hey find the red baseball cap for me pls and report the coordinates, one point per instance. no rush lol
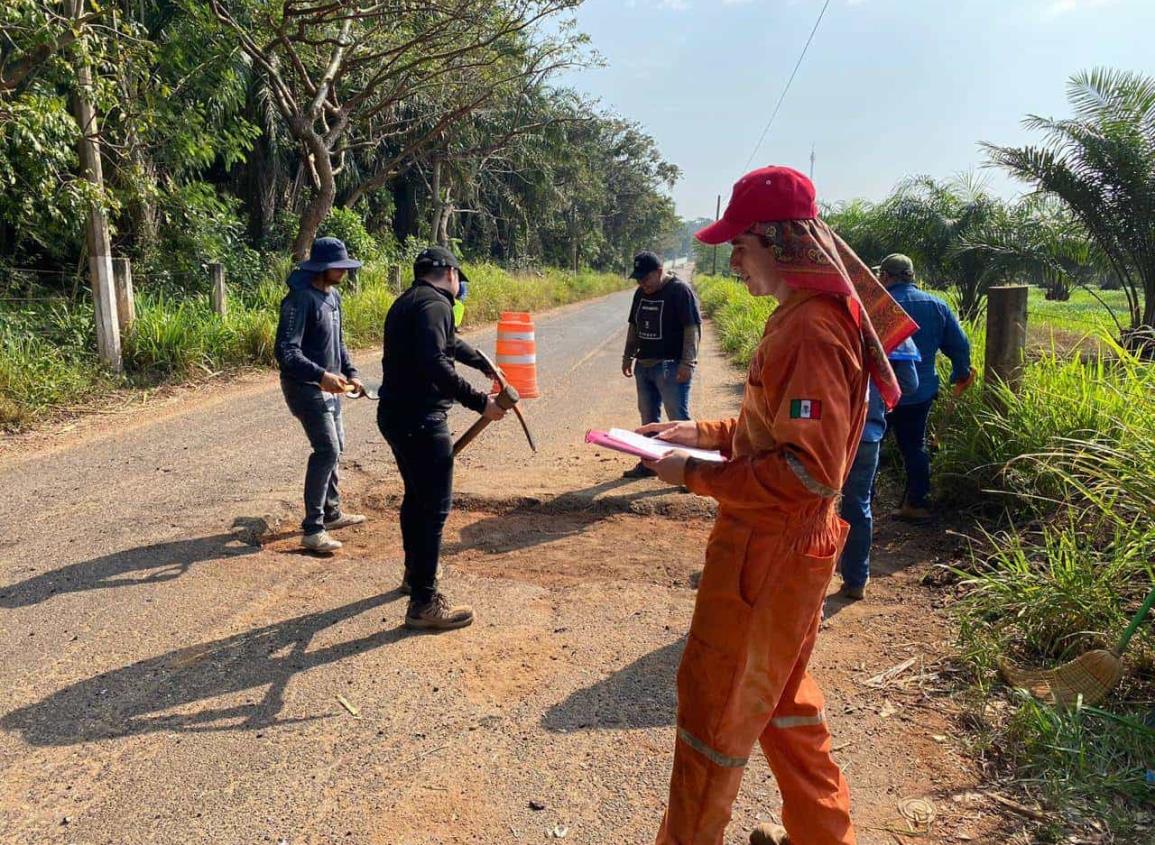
(765, 195)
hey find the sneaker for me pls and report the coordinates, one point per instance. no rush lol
(769, 834)
(438, 614)
(640, 471)
(320, 542)
(344, 520)
(854, 593)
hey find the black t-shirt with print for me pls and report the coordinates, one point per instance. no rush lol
(661, 319)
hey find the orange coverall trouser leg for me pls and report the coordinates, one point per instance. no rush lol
(743, 679)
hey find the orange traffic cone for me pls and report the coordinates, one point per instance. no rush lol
(517, 352)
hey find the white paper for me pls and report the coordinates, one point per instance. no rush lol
(656, 449)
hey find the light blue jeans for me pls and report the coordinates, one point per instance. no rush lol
(856, 495)
(657, 387)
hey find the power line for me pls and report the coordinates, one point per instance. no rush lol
(786, 90)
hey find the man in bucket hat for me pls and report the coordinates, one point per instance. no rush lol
(315, 370)
(743, 677)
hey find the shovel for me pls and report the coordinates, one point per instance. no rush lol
(1086, 680)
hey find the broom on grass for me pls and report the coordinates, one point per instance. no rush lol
(1086, 680)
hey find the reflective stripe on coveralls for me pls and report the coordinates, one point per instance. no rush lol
(769, 562)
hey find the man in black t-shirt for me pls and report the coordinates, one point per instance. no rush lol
(665, 328)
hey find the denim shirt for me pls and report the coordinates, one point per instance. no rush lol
(904, 360)
(938, 329)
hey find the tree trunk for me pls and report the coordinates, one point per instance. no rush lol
(405, 213)
(321, 202)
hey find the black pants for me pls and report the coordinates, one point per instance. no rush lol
(424, 453)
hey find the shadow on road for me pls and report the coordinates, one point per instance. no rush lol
(133, 567)
(538, 523)
(641, 695)
(133, 700)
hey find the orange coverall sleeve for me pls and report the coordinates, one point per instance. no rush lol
(717, 434)
(810, 422)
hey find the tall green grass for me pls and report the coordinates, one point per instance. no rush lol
(1061, 475)
(47, 358)
(739, 317)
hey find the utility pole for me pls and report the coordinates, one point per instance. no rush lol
(96, 232)
(812, 162)
(717, 214)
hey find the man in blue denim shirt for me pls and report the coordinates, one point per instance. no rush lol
(315, 370)
(857, 492)
(665, 327)
(938, 330)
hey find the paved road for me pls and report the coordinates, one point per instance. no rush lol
(166, 683)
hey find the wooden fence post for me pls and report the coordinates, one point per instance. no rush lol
(125, 298)
(1006, 338)
(395, 277)
(220, 295)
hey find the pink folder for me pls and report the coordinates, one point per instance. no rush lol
(648, 448)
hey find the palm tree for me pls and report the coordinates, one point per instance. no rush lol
(1101, 164)
(1041, 241)
(933, 221)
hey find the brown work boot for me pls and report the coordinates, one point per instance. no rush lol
(854, 593)
(437, 614)
(913, 513)
(769, 834)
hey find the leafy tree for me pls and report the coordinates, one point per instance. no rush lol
(1101, 165)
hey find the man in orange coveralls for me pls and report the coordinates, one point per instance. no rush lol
(778, 535)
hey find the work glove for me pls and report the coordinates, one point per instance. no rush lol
(962, 385)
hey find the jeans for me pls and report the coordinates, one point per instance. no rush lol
(320, 416)
(658, 386)
(908, 422)
(423, 450)
(854, 565)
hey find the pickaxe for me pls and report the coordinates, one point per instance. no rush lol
(507, 399)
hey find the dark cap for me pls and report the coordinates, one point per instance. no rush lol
(644, 264)
(897, 266)
(434, 257)
(329, 254)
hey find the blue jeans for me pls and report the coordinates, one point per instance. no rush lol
(908, 422)
(320, 415)
(658, 386)
(856, 495)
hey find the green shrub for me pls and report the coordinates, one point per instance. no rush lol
(46, 356)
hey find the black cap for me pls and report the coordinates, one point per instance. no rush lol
(436, 256)
(644, 264)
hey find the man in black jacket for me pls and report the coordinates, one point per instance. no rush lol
(315, 371)
(419, 386)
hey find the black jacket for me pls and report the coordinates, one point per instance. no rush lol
(309, 341)
(420, 347)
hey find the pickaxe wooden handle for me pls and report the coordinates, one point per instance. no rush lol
(506, 399)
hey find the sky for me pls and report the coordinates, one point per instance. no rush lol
(888, 89)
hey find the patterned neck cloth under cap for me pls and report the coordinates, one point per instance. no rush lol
(811, 256)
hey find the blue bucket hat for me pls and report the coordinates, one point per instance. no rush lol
(329, 254)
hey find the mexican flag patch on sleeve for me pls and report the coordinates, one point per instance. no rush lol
(805, 409)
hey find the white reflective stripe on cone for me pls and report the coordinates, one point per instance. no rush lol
(505, 335)
(516, 359)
